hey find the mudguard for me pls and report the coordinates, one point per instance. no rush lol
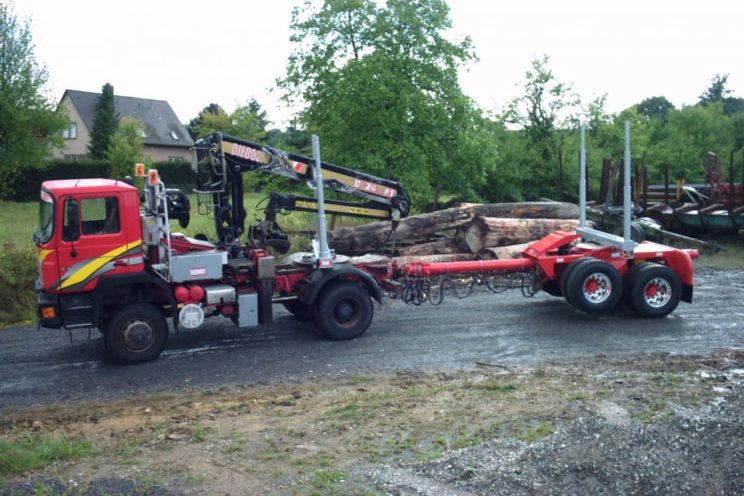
(318, 279)
(141, 278)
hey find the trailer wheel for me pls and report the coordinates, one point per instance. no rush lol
(344, 311)
(136, 333)
(567, 274)
(594, 286)
(654, 290)
(300, 310)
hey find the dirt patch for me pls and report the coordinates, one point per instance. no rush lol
(660, 424)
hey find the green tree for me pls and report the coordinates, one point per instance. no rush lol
(379, 84)
(242, 122)
(29, 124)
(717, 90)
(292, 139)
(544, 112)
(692, 132)
(125, 148)
(255, 108)
(197, 121)
(656, 107)
(105, 124)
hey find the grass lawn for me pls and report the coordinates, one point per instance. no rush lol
(17, 223)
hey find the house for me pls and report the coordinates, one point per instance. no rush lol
(163, 136)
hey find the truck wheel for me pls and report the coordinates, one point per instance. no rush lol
(136, 333)
(343, 311)
(594, 287)
(654, 290)
(567, 274)
(300, 310)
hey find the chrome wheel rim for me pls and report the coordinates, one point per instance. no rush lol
(597, 287)
(657, 292)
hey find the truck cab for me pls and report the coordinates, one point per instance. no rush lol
(88, 228)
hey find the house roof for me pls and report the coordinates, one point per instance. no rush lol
(162, 127)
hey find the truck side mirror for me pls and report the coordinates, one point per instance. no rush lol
(71, 230)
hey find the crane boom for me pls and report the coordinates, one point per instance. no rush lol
(221, 159)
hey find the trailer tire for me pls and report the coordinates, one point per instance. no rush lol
(567, 274)
(343, 311)
(136, 333)
(300, 311)
(653, 291)
(594, 287)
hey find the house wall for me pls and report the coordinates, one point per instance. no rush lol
(78, 147)
(74, 147)
(162, 153)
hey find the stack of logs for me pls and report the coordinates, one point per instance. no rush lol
(466, 232)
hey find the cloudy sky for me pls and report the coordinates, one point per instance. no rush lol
(227, 51)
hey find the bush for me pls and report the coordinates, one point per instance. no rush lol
(25, 186)
(18, 273)
(175, 173)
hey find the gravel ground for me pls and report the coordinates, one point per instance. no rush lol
(694, 448)
(693, 451)
(603, 444)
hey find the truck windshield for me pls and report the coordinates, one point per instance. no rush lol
(45, 228)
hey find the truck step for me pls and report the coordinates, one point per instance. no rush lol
(79, 325)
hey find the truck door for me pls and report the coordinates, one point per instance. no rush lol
(94, 240)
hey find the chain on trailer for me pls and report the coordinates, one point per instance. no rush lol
(418, 289)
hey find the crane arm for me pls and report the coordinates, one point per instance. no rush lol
(221, 159)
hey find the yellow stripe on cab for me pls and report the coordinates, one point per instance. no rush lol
(86, 270)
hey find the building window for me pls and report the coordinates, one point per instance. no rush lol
(76, 157)
(174, 136)
(176, 158)
(70, 132)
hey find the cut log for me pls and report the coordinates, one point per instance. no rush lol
(527, 210)
(439, 247)
(450, 257)
(502, 252)
(487, 232)
(371, 238)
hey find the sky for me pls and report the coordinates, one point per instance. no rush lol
(193, 53)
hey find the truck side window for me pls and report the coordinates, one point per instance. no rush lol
(100, 215)
(70, 226)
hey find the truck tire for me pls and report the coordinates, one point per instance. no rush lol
(567, 274)
(653, 290)
(136, 333)
(594, 286)
(300, 311)
(343, 311)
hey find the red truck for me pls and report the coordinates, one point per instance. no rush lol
(108, 258)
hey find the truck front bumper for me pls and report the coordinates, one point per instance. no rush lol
(47, 309)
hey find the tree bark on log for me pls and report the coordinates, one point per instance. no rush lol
(370, 238)
(439, 247)
(502, 252)
(487, 232)
(451, 257)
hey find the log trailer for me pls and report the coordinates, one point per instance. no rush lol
(108, 258)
